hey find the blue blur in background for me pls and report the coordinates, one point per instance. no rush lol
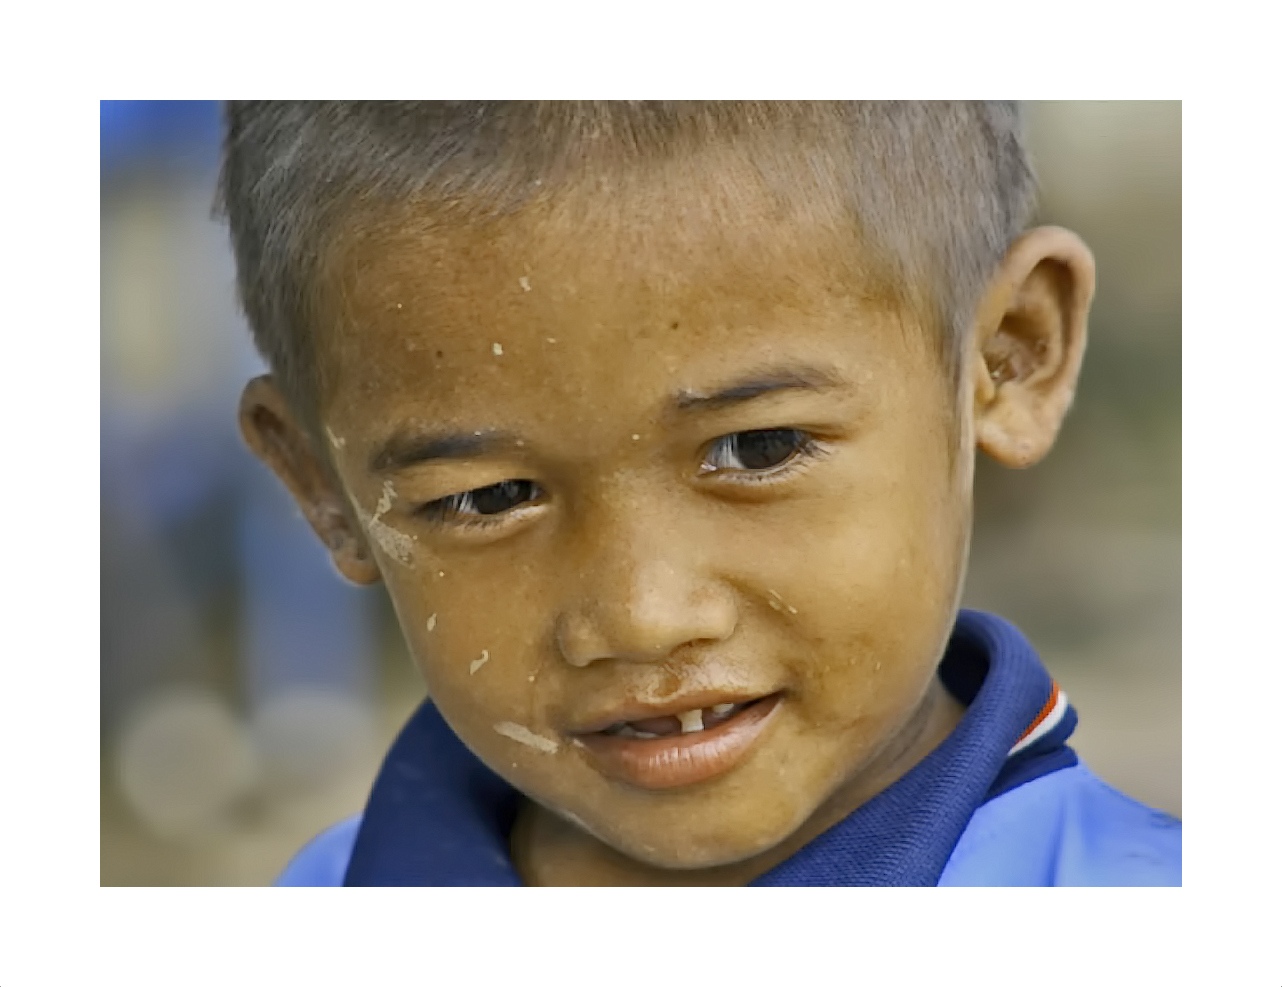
(217, 597)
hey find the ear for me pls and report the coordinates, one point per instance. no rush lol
(274, 435)
(1027, 345)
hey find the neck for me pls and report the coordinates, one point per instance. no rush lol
(549, 851)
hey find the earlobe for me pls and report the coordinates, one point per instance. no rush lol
(1027, 345)
(274, 436)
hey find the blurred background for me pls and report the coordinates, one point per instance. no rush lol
(248, 694)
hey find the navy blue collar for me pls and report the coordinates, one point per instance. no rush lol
(438, 817)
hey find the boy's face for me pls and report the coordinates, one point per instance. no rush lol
(614, 478)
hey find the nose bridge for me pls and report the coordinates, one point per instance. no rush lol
(645, 587)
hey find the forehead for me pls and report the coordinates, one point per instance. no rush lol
(663, 273)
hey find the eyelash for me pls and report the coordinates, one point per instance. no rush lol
(447, 511)
(808, 451)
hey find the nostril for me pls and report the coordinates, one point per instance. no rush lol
(578, 642)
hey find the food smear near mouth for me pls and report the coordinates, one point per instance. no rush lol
(526, 736)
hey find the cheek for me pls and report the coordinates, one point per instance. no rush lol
(481, 667)
(874, 592)
(888, 555)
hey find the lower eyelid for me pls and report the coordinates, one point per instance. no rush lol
(480, 520)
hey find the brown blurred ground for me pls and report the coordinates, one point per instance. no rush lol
(1082, 552)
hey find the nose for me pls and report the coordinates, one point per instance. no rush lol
(641, 600)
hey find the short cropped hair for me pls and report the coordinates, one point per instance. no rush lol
(938, 191)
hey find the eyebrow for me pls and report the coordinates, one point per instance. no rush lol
(409, 447)
(759, 383)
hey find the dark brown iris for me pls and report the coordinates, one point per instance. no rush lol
(766, 448)
(499, 497)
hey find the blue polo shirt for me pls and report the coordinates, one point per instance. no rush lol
(1002, 801)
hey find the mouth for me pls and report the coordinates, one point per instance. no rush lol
(679, 748)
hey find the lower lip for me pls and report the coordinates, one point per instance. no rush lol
(682, 759)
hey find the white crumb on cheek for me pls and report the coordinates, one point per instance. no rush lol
(396, 544)
(498, 349)
(524, 282)
(531, 678)
(485, 656)
(385, 501)
(578, 743)
(514, 731)
(431, 623)
(335, 440)
(551, 339)
(792, 609)
(636, 437)
(441, 572)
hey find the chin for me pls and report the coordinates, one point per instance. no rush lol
(676, 858)
(683, 848)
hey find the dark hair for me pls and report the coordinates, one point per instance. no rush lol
(937, 190)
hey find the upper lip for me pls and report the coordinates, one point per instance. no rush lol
(639, 710)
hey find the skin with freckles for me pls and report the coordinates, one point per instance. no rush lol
(622, 449)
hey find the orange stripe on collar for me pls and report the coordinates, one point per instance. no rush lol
(1045, 712)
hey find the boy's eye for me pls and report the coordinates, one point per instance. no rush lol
(493, 499)
(763, 449)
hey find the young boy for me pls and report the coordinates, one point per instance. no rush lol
(657, 420)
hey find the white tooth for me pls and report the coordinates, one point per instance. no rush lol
(643, 735)
(691, 722)
(720, 708)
